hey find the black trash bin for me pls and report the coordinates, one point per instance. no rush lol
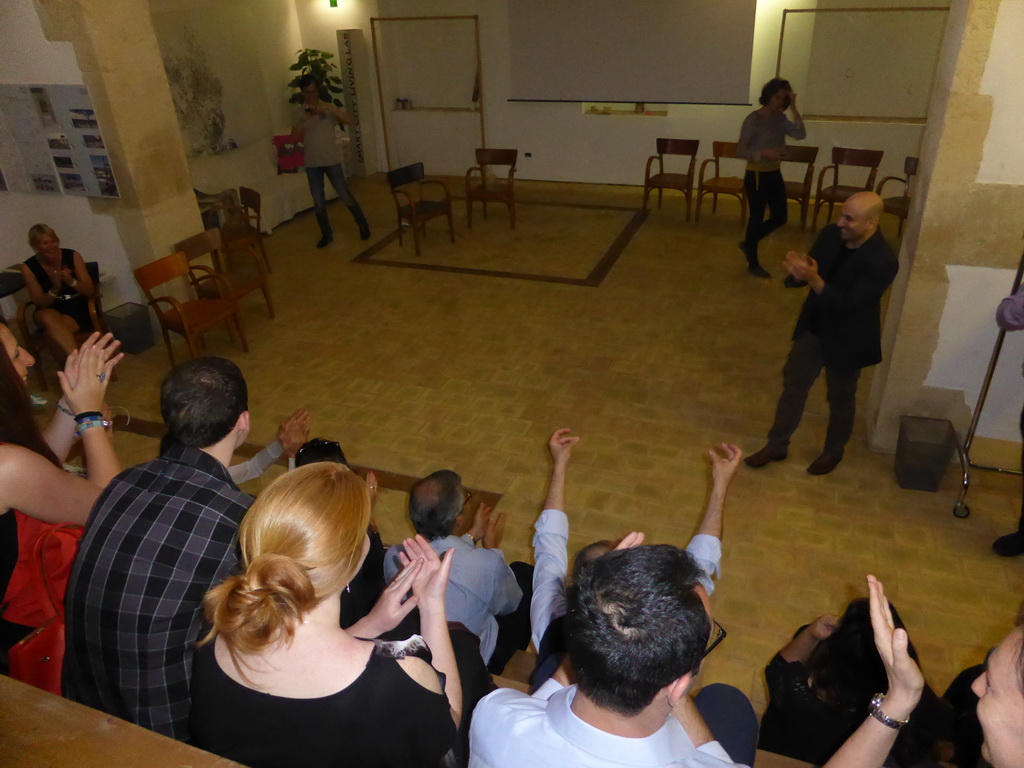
(130, 325)
(923, 451)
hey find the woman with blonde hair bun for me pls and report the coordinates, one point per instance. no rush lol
(278, 682)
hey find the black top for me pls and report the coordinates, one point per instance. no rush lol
(71, 302)
(847, 313)
(383, 718)
(800, 725)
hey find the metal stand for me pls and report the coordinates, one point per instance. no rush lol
(960, 509)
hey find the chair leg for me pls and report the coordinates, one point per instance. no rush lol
(688, 201)
(714, 203)
(660, 190)
(814, 219)
(263, 252)
(451, 226)
(831, 205)
(241, 331)
(416, 237)
(803, 215)
(700, 199)
(647, 194)
(270, 301)
(899, 232)
(167, 343)
(194, 346)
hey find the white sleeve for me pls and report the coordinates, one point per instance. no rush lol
(707, 551)
(551, 560)
(257, 465)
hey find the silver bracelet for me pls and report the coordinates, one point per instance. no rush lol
(880, 716)
(63, 408)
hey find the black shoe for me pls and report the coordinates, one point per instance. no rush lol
(765, 456)
(825, 463)
(325, 241)
(758, 271)
(1010, 545)
(364, 230)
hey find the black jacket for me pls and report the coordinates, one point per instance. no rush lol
(849, 308)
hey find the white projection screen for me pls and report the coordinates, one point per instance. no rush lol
(663, 51)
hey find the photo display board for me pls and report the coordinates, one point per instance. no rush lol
(50, 142)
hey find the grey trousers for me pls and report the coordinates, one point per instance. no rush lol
(801, 370)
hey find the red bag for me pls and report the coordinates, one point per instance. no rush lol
(38, 659)
(27, 601)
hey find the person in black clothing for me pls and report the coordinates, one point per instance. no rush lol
(59, 285)
(848, 269)
(820, 687)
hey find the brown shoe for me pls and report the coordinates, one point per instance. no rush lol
(765, 456)
(824, 463)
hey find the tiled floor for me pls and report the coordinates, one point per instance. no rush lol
(676, 349)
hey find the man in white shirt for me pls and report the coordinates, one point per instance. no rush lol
(637, 629)
(552, 535)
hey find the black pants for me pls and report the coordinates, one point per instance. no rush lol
(764, 189)
(514, 628)
(802, 368)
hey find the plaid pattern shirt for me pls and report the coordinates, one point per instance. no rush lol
(160, 535)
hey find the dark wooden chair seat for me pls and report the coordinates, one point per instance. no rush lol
(413, 208)
(899, 205)
(718, 184)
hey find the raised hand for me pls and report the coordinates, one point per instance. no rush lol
(294, 432)
(560, 444)
(630, 540)
(725, 460)
(87, 372)
(391, 607)
(905, 679)
(431, 582)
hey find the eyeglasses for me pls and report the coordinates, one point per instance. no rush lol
(718, 634)
(466, 496)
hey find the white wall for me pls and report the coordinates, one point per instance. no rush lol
(569, 146)
(83, 224)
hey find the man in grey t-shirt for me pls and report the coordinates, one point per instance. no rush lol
(315, 128)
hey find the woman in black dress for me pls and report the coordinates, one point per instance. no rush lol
(59, 285)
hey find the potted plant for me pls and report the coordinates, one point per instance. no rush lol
(310, 61)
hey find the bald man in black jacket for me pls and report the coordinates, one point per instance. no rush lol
(848, 270)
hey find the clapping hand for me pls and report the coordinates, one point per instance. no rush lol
(630, 540)
(430, 583)
(905, 679)
(294, 432)
(87, 372)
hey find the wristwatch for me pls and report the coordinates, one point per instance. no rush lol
(880, 716)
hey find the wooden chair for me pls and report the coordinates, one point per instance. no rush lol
(899, 206)
(498, 190)
(719, 184)
(191, 319)
(661, 180)
(240, 264)
(35, 340)
(407, 185)
(243, 224)
(836, 192)
(800, 191)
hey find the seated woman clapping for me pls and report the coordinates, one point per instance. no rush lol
(278, 682)
(35, 491)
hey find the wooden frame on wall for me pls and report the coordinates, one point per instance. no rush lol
(380, 83)
(908, 119)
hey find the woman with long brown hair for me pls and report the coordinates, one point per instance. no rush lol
(34, 488)
(279, 682)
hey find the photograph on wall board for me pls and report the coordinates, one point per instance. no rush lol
(104, 175)
(92, 141)
(63, 161)
(73, 184)
(58, 141)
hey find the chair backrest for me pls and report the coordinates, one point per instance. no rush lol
(725, 149)
(201, 244)
(910, 167)
(678, 146)
(405, 175)
(251, 199)
(161, 271)
(497, 157)
(864, 158)
(794, 154)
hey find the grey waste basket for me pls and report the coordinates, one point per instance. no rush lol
(923, 451)
(130, 325)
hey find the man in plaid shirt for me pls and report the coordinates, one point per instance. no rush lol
(159, 537)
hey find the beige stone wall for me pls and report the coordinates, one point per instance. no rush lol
(954, 220)
(116, 50)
